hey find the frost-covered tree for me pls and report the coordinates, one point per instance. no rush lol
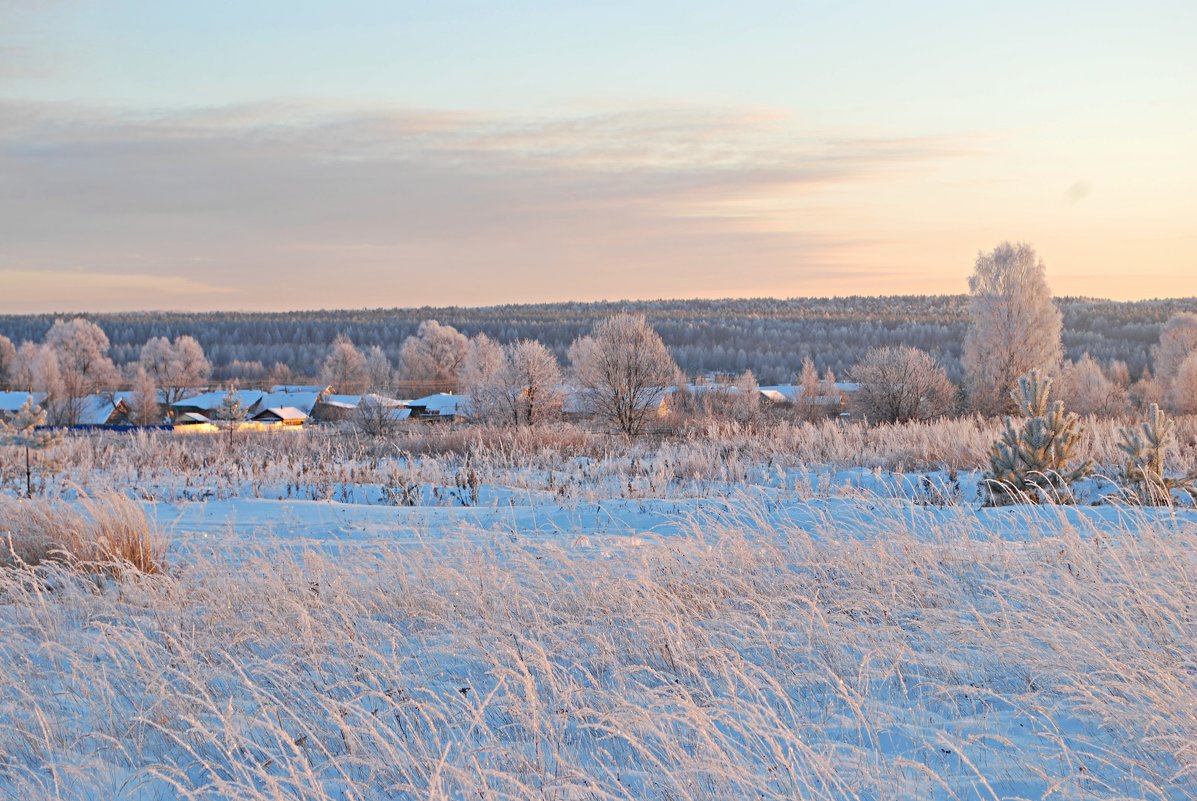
(808, 390)
(1182, 395)
(744, 401)
(178, 368)
(38, 371)
(1014, 326)
(530, 382)
(1147, 391)
(1032, 461)
(8, 362)
(626, 371)
(144, 406)
(1086, 389)
(230, 413)
(431, 360)
(380, 376)
(1178, 339)
(1144, 473)
(81, 349)
(344, 367)
(479, 378)
(25, 431)
(902, 384)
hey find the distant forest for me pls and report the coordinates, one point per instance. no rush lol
(770, 336)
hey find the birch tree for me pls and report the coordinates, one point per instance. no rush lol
(177, 368)
(431, 360)
(1014, 327)
(531, 381)
(344, 367)
(480, 377)
(81, 349)
(626, 370)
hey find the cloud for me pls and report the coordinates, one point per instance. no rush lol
(40, 290)
(321, 206)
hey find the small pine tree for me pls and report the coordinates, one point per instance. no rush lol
(1031, 461)
(1143, 473)
(230, 410)
(23, 431)
(230, 413)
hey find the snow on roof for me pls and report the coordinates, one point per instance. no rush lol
(283, 413)
(342, 401)
(191, 417)
(773, 395)
(400, 413)
(214, 399)
(305, 401)
(95, 410)
(378, 400)
(441, 403)
(13, 401)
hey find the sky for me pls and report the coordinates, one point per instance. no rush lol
(295, 155)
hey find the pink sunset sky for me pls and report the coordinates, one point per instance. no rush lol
(315, 155)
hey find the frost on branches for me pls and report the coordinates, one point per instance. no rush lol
(1014, 326)
(1030, 463)
(1144, 472)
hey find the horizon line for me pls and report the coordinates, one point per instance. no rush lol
(602, 302)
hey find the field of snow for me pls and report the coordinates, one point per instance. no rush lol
(623, 627)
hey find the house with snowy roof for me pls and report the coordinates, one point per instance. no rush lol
(209, 403)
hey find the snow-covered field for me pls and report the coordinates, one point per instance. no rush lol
(562, 625)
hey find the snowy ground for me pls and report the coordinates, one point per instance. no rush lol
(778, 634)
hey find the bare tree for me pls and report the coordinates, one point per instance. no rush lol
(479, 377)
(902, 384)
(431, 360)
(1014, 326)
(1178, 339)
(344, 368)
(177, 368)
(8, 362)
(375, 416)
(531, 381)
(626, 370)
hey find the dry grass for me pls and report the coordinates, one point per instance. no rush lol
(110, 531)
(886, 653)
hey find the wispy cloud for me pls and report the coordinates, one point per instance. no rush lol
(340, 206)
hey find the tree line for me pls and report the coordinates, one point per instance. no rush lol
(769, 336)
(1008, 325)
